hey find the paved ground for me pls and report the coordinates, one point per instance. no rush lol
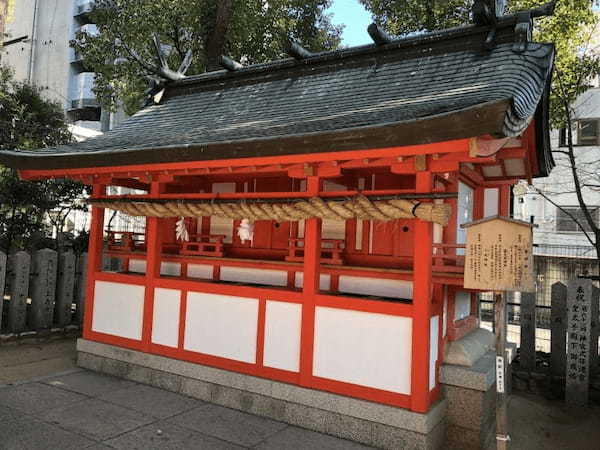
(536, 423)
(83, 409)
(25, 360)
(79, 409)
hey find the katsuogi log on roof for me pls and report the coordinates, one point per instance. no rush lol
(430, 88)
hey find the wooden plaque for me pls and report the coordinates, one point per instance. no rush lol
(499, 255)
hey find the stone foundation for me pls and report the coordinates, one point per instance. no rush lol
(468, 379)
(357, 420)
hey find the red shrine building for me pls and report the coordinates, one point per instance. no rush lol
(302, 255)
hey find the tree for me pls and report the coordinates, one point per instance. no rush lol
(401, 17)
(573, 30)
(27, 122)
(122, 52)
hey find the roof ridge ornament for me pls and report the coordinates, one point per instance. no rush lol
(230, 64)
(524, 26)
(163, 73)
(490, 12)
(298, 52)
(379, 35)
(487, 13)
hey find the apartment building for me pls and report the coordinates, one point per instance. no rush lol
(36, 46)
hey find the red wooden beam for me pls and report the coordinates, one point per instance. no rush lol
(131, 183)
(177, 168)
(94, 259)
(310, 289)
(422, 307)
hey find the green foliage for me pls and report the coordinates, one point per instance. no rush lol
(570, 29)
(28, 121)
(401, 17)
(257, 32)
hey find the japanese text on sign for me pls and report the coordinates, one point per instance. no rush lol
(499, 257)
(579, 322)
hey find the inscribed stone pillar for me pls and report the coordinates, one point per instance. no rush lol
(579, 320)
(558, 332)
(19, 265)
(81, 287)
(65, 285)
(42, 288)
(2, 282)
(528, 324)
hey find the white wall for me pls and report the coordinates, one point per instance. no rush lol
(165, 320)
(222, 325)
(282, 335)
(118, 309)
(366, 349)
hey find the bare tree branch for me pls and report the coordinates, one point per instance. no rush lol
(568, 213)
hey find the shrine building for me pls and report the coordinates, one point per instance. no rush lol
(335, 304)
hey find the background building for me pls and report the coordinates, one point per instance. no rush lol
(36, 46)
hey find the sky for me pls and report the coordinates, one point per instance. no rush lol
(352, 14)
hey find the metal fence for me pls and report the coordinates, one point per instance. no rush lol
(552, 263)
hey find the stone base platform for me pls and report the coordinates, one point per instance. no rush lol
(358, 420)
(468, 378)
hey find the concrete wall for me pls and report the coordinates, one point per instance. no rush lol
(559, 185)
(43, 58)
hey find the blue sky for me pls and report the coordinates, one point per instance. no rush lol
(352, 14)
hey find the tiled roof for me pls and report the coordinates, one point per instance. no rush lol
(425, 89)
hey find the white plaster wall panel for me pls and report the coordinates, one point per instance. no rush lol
(137, 265)
(376, 286)
(254, 276)
(301, 228)
(324, 281)
(462, 305)
(204, 271)
(282, 335)
(464, 214)
(118, 309)
(165, 320)
(166, 268)
(221, 325)
(490, 202)
(366, 349)
(359, 234)
(333, 229)
(492, 171)
(220, 225)
(434, 324)
(438, 230)
(445, 314)
(170, 268)
(514, 167)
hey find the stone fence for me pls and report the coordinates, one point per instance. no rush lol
(44, 290)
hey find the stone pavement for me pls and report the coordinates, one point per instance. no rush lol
(80, 409)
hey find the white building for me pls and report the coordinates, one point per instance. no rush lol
(557, 233)
(36, 47)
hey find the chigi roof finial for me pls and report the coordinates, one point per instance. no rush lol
(379, 35)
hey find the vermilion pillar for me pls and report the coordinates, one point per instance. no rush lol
(94, 263)
(312, 257)
(422, 305)
(153, 257)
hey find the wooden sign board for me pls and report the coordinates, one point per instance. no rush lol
(499, 255)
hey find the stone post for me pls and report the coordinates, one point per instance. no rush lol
(65, 288)
(42, 289)
(18, 281)
(80, 287)
(2, 282)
